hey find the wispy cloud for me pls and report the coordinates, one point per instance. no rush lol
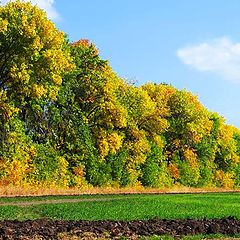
(47, 5)
(220, 56)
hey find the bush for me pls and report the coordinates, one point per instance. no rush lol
(154, 171)
(49, 167)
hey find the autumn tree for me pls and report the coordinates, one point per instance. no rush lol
(33, 53)
(206, 150)
(87, 114)
(188, 123)
(143, 126)
(154, 170)
(34, 56)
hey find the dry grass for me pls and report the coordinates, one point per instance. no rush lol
(11, 191)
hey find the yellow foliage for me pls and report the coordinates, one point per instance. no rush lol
(134, 174)
(200, 125)
(160, 94)
(224, 179)
(79, 173)
(176, 143)
(40, 55)
(189, 117)
(79, 181)
(103, 147)
(110, 142)
(141, 146)
(114, 115)
(139, 158)
(15, 171)
(227, 143)
(137, 102)
(138, 147)
(38, 90)
(20, 73)
(6, 109)
(37, 44)
(225, 133)
(154, 121)
(191, 156)
(114, 141)
(62, 171)
(136, 133)
(57, 79)
(3, 25)
(53, 92)
(57, 61)
(158, 141)
(63, 165)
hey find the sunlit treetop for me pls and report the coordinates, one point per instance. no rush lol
(189, 119)
(33, 52)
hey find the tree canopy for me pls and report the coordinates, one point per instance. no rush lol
(67, 119)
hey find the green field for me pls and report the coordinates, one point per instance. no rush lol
(124, 207)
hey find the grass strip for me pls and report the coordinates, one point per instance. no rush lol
(130, 207)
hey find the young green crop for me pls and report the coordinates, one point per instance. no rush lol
(129, 207)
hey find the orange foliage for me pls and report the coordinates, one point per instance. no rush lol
(173, 169)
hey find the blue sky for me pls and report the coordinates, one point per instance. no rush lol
(190, 44)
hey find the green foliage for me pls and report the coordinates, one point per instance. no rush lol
(207, 170)
(189, 175)
(154, 170)
(16, 153)
(46, 156)
(237, 175)
(117, 163)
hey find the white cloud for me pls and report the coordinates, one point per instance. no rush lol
(46, 5)
(220, 56)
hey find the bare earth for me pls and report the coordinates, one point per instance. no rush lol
(59, 229)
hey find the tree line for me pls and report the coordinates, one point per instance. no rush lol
(67, 119)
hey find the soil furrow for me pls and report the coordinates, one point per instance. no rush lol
(59, 229)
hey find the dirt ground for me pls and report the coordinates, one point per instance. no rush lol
(11, 191)
(59, 229)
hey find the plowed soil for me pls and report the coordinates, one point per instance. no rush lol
(59, 229)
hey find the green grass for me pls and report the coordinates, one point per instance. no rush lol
(129, 207)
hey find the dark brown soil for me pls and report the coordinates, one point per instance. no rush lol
(57, 229)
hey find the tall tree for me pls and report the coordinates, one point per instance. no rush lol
(33, 53)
